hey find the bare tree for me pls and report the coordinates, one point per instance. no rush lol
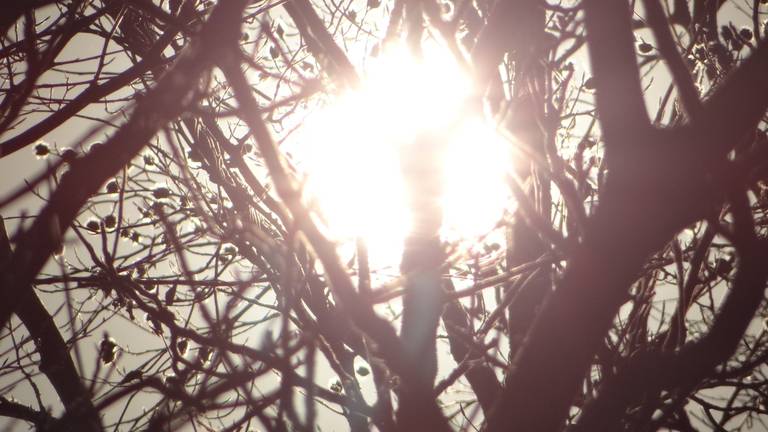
(166, 269)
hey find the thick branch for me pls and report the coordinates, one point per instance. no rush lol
(13, 10)
(55, 361)
(734, 110)
(653, 372)
(619, 95)
(22, 412)
(510, 27)
(423, 300)
(567, 332)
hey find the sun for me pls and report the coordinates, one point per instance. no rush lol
(350, 149)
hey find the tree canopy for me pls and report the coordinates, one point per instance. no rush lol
(171, 260)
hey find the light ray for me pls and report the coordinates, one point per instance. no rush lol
(350, 153)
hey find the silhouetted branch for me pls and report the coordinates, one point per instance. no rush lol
(88, 96)
(320, 42)
(360, 313)
(689, 96)
(55, 361)
(618, 95)
(654, 371)
(35, 245)
(481, 377)
(732, 112)
(19, 411)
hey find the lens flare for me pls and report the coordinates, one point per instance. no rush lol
(350, 151)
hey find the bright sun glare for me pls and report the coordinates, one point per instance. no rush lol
(350, 152)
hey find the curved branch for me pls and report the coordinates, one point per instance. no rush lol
(653, 372)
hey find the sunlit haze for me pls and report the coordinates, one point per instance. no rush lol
(349, 150)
